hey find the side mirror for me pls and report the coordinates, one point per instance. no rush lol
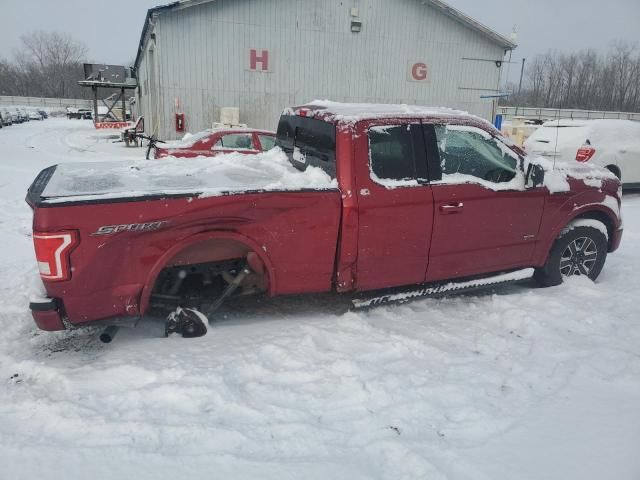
(535, 176)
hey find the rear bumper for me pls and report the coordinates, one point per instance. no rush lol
(46, 314)
(616, 238)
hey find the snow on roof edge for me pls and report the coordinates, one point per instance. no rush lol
(353, 112)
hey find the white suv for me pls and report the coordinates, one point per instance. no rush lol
(613, 144)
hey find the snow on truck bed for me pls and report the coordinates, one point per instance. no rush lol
(232, 173)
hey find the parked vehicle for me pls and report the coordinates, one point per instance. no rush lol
(612, 144)
(7, 118)
(219, 141)
(34, 115)
(381, 197)
(19, 115)
(79, 113)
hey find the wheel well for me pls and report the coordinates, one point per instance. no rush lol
(615, 170)
(198, 273)
(602, 217)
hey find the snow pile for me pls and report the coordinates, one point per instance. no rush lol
(231, 173)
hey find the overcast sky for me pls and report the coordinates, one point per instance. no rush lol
(111, 29)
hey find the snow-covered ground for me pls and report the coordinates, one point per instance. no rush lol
(520, 383)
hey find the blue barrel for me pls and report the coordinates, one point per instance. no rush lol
(498, 122)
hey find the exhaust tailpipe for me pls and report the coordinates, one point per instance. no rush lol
(109, 333)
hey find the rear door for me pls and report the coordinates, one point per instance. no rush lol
(485, 220)
(395, 203)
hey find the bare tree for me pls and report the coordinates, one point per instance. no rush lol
(584, 80)
(46, 64)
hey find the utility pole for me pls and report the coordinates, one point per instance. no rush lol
(521, 76)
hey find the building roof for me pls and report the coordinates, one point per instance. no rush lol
(437, 4)
(473, 24)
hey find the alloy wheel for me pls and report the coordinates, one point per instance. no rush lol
(579, 257)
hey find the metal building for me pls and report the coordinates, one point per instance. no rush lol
(198, 56)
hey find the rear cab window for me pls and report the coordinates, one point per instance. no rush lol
(308, 141)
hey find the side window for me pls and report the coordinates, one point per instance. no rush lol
(236, 141)
(267, 142)
(391, 153)
(466, 150)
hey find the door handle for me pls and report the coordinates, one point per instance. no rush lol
(449, 208)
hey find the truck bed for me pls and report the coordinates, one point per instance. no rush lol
(73, 183)
(134, 218)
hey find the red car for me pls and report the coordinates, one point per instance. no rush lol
(217, 141)
(381, 196)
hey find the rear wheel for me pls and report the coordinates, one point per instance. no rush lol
(580, 251)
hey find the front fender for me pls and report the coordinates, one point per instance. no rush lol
(597, 205)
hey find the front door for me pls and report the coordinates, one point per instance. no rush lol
(395, 204)
(485, 219)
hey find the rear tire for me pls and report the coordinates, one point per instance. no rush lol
(581, 251)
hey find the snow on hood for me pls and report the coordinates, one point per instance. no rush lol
(204, 177)
(557, 174)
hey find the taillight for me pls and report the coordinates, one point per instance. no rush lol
(52, 254)
(585, 153)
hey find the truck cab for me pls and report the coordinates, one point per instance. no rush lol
(435, 194)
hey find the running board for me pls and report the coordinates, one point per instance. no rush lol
(435, 290)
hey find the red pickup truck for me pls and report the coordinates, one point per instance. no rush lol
(381, 196)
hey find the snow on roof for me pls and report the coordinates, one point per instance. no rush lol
(204, 177)
(354, 112)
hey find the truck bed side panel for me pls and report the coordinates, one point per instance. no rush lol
(297, 232)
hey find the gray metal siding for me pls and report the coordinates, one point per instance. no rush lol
(202, 56)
